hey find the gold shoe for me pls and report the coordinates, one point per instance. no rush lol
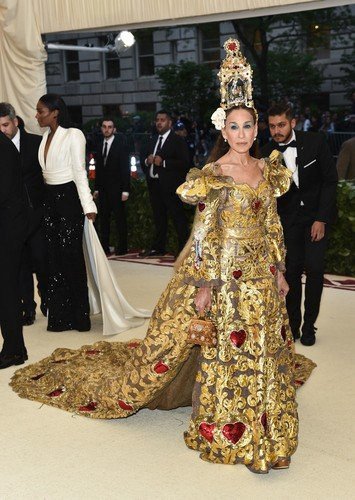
(283, 463)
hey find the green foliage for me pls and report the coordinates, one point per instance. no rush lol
(189, 88)
(140, 219)
(301, 33)
(341, 251)
(291, 73)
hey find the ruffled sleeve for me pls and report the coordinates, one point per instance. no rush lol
(279, 178)
(199, 184)
(201, 267)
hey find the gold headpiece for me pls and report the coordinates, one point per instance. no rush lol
(236, 87)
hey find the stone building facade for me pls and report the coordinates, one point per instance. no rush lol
(96, 83)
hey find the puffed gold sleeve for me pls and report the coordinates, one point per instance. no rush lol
(201, 267)
(279, 178)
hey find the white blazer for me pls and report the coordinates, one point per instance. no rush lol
(66, 162)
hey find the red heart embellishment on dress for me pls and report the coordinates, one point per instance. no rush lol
(263, 420)
(206, 430)
(92, 352)
(283, 332)
(201, 206)
(56, 392)
(89, 407)
(238, 337)
(37, 377)
(233, 432)
(124, 406)
(237, 274)
(133, 345)
(255, 205)
(161, 367)
(272, 269)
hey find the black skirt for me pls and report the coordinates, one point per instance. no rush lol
(68, 303)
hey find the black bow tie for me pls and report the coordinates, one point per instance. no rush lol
(282, 147)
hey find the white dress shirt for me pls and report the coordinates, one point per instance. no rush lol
(66, 162)
(16, 140)
(164, 136)
(109, 142)
(290, 157)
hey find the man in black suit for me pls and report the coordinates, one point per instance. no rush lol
(112, 185)
(34, 255)
(13, 227)
(165, 166)
(306, 212)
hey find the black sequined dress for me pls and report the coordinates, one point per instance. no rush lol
(68, 303)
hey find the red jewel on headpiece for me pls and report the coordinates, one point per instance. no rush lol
(273, 269)
(206, 430)
(238, 337)
(37, 377)
(232, 46)
(233, 432)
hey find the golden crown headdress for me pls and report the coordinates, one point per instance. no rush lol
(236, 88)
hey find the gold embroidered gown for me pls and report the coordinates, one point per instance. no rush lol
(243, 399)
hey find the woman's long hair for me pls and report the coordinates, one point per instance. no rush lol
(220, 148)
(53, 102)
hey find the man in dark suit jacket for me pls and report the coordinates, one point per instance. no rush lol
(34, 255)
(306, 212)
(112, 185)
(13, 227)
(165, 165)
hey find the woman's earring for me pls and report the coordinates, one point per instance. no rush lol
(255, 138)
(225, 140)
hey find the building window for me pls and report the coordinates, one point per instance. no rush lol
(113, 110)
(110, 60)
(210, 44)
(71, 60)
(318, 40)
(75, 115)
(146, 106)
(145, 52)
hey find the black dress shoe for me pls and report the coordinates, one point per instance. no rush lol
(296, 334)
(308, 335)
(28, 318)
(7, 360)
(152, 253)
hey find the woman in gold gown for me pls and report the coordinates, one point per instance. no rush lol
(243, 390)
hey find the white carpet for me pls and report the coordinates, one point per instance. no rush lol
(47, 453)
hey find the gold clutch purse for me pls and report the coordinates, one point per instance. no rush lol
(203, 332)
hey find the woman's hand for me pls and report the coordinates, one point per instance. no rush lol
(282, 284)
(91, 216)
(203, 300)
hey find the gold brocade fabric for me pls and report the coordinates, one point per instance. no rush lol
(243, 399)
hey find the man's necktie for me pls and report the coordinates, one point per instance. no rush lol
(104, 154)
(157, 153)
(282, 147)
